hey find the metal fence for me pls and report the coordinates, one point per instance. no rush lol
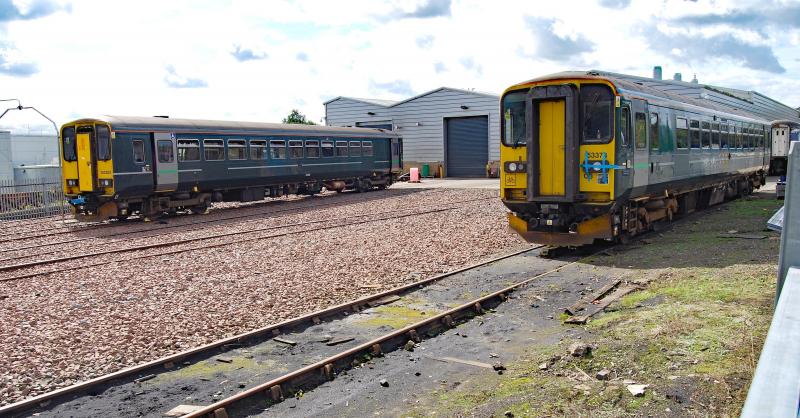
(775, 390)
(32, 198)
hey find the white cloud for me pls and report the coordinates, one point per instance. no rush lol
(100, 57)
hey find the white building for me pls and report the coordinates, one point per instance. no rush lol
(28, 156)
(458, 130)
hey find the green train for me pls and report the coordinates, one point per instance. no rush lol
(116, 166)
(589, 156)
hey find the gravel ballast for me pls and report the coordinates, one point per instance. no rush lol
(62, 328)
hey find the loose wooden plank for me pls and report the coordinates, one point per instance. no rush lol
(608, 300)
(285, 341)
(383, 301)
(599, 293)
(340, 341)
(742, 236)
(462, 361)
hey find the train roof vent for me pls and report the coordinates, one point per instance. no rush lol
(161, 116)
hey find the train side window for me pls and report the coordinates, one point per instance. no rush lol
(705, 135)
(214, 149)
(654, 132)
(723, 136)
(341, 148)
(258, 149)
(355, 148)
(681, 133)
(640, 127)
(188, 150)
(694, 133)
(68, 138)
(367, 150)
(164, 151)
(625, 129)
(327, 149)
(295, 149)
(103, 142)
(715, 135)
(312, 148)
(739, 137)
(237, 149)
(277, 150)
(138, 151)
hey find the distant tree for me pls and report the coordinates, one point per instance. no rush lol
(297, 117)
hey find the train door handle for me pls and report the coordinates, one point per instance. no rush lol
(651, 167)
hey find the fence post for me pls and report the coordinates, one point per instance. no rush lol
(790, 233)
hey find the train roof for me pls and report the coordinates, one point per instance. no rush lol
(161, 124)
(628, 86)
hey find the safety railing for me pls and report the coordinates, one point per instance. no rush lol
(775, 390)
(31, 198)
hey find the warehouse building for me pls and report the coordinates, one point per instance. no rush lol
(25, 157)
(452, 132)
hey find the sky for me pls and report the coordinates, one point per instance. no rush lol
(257, 60)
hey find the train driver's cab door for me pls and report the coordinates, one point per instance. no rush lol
(397, 154)
(641, 150)
(165, 163)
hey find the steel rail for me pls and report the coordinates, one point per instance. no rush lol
(327, 367)
(160, 245)
(268, 331)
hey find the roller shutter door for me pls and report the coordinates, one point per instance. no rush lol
(467, 146)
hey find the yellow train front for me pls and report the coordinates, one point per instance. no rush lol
(588, 156)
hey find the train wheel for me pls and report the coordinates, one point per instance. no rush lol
(200, 209)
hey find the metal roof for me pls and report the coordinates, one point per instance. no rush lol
(390, 103)
(151, 124)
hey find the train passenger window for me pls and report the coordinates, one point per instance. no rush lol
(258, 149)
(597, 111)
(640, 128)
(68, 138)
(715, 135)
(355, 148)
(138, 151)
(327, 149)
(214, 149)
(694, 133)
(188, 150)
(367, 148)
(237, 149)
(164, 151)
(625, 129)
(723, 135)
(654, 134)
(705, 135)
(103, 138)
(277, 150)
(312, 149)
(341, 148)
(295, 149)
(681, 133)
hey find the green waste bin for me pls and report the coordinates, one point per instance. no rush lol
(426, 170)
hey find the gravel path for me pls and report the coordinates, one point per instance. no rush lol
(66, 327)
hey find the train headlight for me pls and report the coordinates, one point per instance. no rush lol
(106, 182)
(72, 182)
(515, 167)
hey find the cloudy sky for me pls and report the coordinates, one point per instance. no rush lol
(256, 60)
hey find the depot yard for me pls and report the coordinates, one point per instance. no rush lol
(78, 323)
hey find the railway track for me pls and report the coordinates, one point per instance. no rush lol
(390, 216)
(131, 378)
(159, 231)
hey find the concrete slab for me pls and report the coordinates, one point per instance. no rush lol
(450, 183)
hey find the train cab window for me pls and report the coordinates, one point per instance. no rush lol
(188, 150)
(366, 147)
(327, 149)
(705, 135)
(681, 133)
(68, 139)
(341, 148)
(723, 136)
(295, 149)
(715, 135)
(164, 151)
(355, 148)
(214, 149)
(597, 111)
(640, 128)
(258, 149)
(237, 149)
(103, 138)
(514, 118)
(694, 133)
(312, 148)
(138, 151)
(277, 150)
(654, 132)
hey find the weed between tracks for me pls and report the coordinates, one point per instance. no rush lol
(693, 335)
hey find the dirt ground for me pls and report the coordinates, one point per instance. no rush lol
(693, 335)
